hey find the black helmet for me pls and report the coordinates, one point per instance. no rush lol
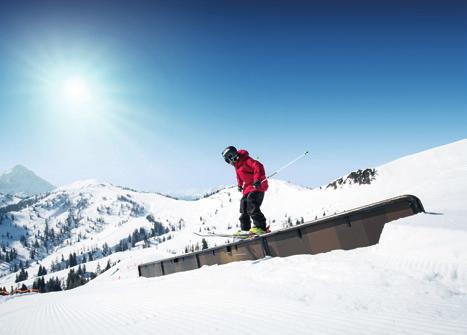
(230, 155)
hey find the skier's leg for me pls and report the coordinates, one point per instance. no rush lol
(245, 222)
(254, 201)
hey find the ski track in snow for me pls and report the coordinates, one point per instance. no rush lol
(335, 293)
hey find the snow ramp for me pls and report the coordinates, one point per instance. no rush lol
(359, 227)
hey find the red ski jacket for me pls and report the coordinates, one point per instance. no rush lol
(248, 171)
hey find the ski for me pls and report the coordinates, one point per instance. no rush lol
(239, 236)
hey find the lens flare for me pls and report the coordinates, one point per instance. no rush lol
(76, 89)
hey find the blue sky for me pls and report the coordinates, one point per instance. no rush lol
(174, 82)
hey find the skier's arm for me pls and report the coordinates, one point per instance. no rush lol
(258, 170)
(239, 180)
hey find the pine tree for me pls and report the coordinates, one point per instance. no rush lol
(72, 260)
(32, 253)
(106, 250)
(23, 240)
(108, 266)
(39, 284)
(70, 280)
(42, 271)
(23, 275)
(134, 238)
(53, 284)
(142, 234)
(74, 280)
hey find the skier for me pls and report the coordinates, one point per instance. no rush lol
(252, 182)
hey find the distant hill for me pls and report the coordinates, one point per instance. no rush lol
(20, 180)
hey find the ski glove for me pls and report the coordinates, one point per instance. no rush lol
(239, 188)
(257, 184)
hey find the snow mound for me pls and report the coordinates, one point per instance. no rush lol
(84, 184)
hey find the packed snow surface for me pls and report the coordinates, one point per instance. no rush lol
(413, 282)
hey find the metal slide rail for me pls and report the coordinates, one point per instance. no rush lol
(352, 229)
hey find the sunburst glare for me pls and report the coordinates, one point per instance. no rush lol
(76, 90)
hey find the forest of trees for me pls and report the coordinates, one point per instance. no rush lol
(8, 255)
(42, 242)
(22, 275)
(75, 278)
(53, 284)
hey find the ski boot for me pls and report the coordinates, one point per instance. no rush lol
(258, 231)
(241, 233)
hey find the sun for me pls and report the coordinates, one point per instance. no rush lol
(72, 83)
(76, 89)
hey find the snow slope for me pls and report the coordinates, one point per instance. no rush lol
(8, 199)
(414, 281)
(354, 292)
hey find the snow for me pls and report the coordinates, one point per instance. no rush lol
(414, 281)
(9, 199)
(353, 292)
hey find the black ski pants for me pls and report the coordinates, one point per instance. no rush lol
(250, 210)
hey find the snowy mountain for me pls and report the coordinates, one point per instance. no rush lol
(20, 180)
(413, 281)
(85, 215)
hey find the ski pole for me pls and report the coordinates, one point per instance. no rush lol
(285, 166)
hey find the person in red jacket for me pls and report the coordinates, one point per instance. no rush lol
(251, 180)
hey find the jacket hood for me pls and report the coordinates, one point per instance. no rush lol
(243, 153)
